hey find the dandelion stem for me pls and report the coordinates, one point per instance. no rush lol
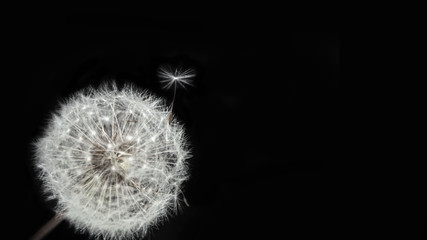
(173, 101)
(48, 227)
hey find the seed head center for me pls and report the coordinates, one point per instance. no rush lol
(110, 161)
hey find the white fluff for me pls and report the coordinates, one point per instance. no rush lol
(170, 76)
(113, 162)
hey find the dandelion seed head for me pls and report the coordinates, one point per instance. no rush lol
(118, 170)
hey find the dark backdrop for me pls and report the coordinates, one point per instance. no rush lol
(263, 117)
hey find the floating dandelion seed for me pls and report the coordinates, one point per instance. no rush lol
(171, 76)
(112, 161)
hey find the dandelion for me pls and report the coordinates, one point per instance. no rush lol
(113, 161)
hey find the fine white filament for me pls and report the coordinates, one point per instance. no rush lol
(113, 161)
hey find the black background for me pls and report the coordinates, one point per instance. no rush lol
(263, 118)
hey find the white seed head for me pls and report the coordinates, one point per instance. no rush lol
(112, 161)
